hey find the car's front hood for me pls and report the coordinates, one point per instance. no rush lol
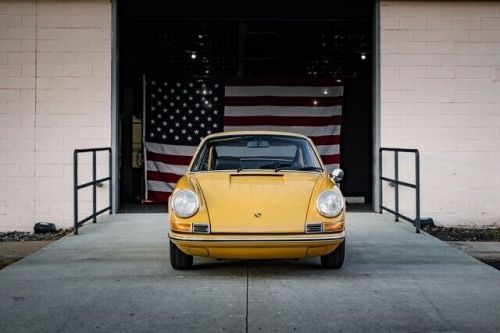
(251, 202)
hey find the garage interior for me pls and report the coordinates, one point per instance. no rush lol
(246, 39)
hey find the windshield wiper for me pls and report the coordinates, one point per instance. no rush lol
(307, 168)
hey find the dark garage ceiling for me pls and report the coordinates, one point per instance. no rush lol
(247, 39)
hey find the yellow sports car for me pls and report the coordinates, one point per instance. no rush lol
(257, 195)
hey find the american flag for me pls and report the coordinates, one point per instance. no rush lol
(179, 113)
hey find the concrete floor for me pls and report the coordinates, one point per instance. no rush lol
(115, 277)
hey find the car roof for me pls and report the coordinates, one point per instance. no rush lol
(223, 134)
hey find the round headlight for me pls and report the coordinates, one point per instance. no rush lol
(330, 202)
(185, 203)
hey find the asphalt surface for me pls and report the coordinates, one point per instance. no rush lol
(11, 252)
(115, 277)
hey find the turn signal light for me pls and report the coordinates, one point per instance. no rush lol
(333, 226)
(181, 227)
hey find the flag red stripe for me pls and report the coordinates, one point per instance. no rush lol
(282, 101)
(293, 82)
(325, 140)
(330, 159)
(281, 121)
(163, 176)
(158, 197)
(169, 159)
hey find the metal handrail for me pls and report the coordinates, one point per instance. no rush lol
(93, 183)
(397, 183)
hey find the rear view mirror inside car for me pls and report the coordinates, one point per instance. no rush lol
(258, 144)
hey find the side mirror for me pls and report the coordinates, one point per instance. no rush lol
(337, 175)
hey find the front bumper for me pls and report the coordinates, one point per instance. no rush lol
(252, 246)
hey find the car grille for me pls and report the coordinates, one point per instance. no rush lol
(201, 228)
(314, 228)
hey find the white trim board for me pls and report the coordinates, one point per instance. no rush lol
(355, 200)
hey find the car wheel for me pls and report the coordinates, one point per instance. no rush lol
(334, 259)
(178, 259)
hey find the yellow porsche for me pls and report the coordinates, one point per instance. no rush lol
(257, 195)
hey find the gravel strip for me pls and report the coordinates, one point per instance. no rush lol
(18, 236)
(464, 234)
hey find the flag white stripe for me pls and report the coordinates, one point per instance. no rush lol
(328, 149)
(159, 186)
(304, 130)
(297, 91)
(282, 111)
(166, 168)
(160, 148)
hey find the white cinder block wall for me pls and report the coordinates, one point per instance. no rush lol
(440, 93)
(55, 96)
(17, 113)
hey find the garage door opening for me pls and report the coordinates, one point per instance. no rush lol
(224, 43)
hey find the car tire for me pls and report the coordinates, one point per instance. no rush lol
(178, 259)
(335, 259)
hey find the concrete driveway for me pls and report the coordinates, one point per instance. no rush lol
(115, 277)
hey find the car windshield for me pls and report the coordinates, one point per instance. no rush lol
(240, 152)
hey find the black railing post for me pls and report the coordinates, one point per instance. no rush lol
(416, 222)
(381, 194)
(93, 183)
(417, 191)
(396, 188)
(110, 183)
(75, 192)
(94, 187)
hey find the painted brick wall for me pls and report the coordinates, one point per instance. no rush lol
(440, 93)
(17, 113)
(55, 91)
